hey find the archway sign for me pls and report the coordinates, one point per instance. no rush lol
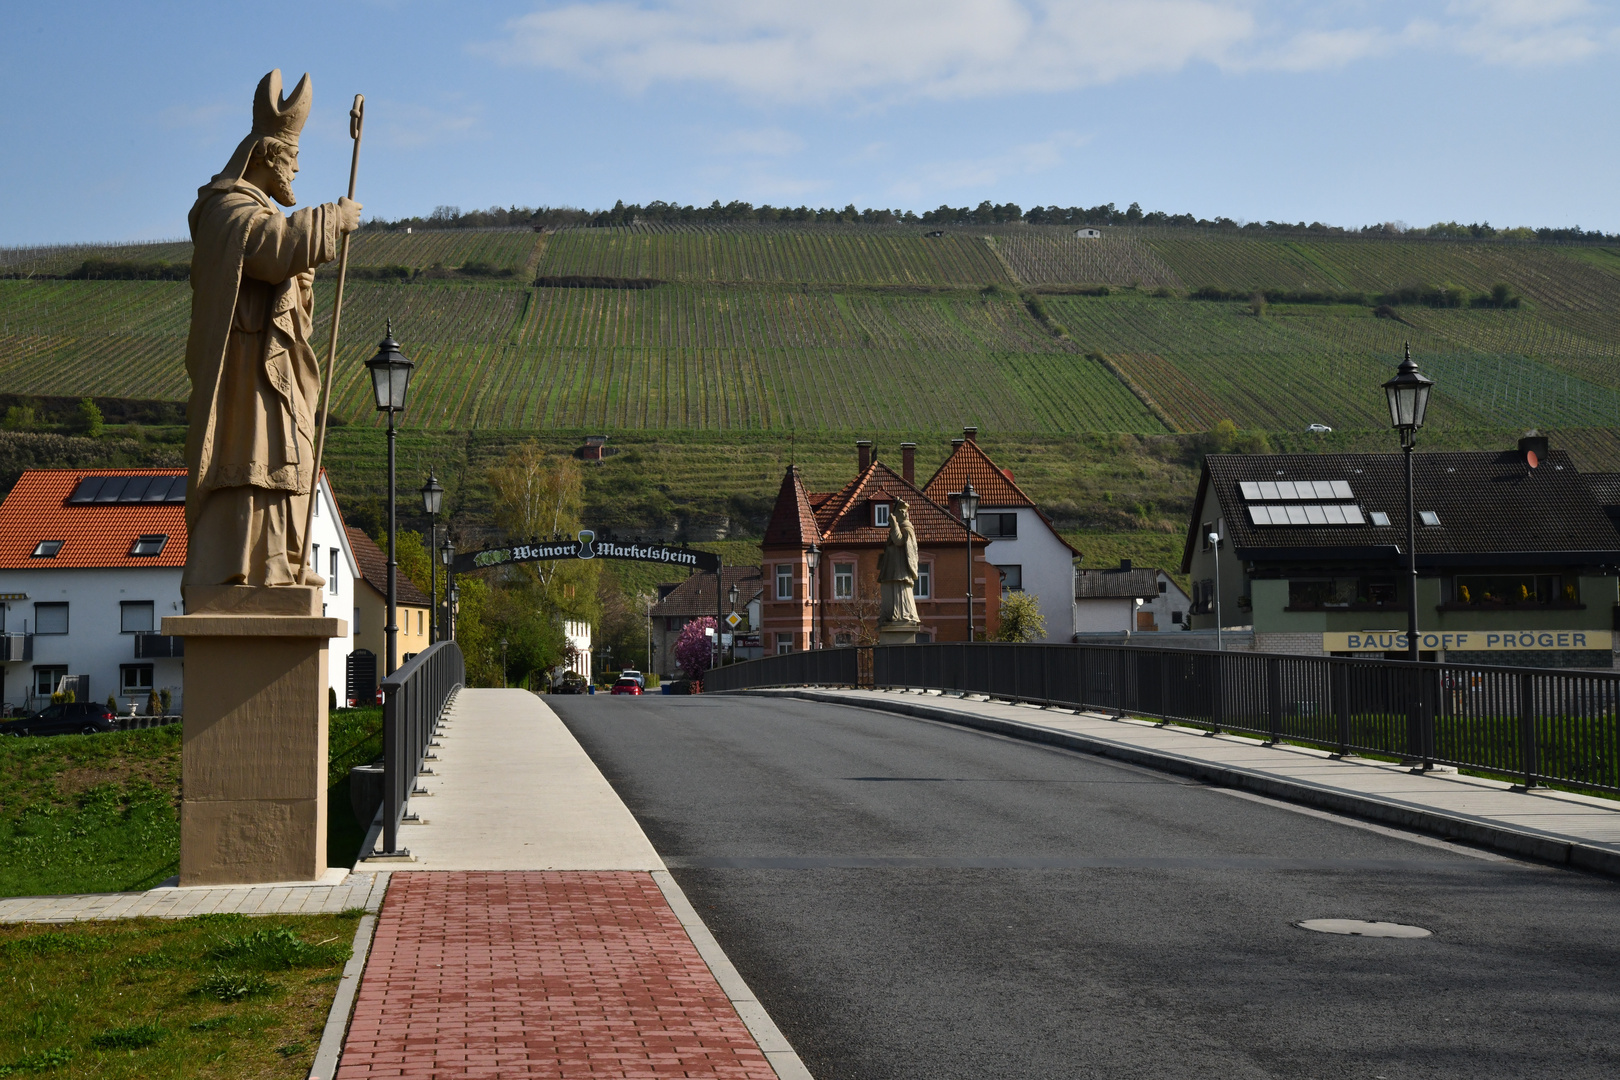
(589, 546)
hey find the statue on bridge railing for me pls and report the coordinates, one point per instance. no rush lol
(897, 577)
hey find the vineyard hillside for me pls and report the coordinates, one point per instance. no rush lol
(854, 328)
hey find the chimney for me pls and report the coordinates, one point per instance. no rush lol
(1533, 449)
(863, 451)
(970, 434)
(908, 462)
(956, 444)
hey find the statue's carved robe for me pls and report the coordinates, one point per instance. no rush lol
(255, 384)
(897, 572)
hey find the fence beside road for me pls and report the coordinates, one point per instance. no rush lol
(1536, 725)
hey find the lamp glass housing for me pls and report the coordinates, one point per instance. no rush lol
(1408, 396)
(432, 495)
(390, 375)
(970, 503)
(733, 596)
(447, 553)
(812, 557)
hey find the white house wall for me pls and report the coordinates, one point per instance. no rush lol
(1048, 569)
(338, 599)
(1098, 615)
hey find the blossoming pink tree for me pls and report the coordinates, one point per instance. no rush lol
(693, 647)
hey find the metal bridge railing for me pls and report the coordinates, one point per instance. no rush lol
(414, 700)
(1535, 725)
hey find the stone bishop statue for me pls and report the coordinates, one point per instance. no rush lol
(255, 381)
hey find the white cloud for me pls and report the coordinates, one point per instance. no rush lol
(411, 126)
(883, 50)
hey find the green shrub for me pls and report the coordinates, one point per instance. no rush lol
(228, 986)
(129, 1037)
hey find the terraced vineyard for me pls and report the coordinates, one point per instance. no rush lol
(1055, 257)
(836, 257)
(506, 249)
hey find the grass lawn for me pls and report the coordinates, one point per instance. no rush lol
(99, 813)
(211, 996)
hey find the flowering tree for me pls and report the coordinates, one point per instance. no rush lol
(692, 648)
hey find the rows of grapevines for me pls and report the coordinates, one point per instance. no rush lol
(770, 256)
(504, 248)
(57, 259)
(123, 339)
(1538, 335)
(1114, 259)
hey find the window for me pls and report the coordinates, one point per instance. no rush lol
(1428, 517)
(50, 618)
(925, 581)
(419, 616)
(148, 545)
(135, 678)
(1379, 518)
(136, 617)
(1515, 590)
(784, 581)
(355, 628)
(1175, 617)
(997, 526)
(1314, 594)
(46, 549)
(880, 514)
(46, 680)
(843, 581)
(784, 643)
(1163, 588)
(1012, 578)
(924, 637)
(1203, 597)
(332, 578)
(843, 639)
(1203, 537)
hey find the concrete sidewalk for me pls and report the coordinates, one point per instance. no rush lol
(536, 933)
(1553, 826)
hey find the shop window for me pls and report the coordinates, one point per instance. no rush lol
(1316, 594)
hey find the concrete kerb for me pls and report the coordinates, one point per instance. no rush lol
(1543, 847)
(337, 1017)
(775, 1046)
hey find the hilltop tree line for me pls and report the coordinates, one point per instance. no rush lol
(985, 213)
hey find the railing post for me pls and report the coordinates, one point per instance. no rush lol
(1217, 686)
(1340, 689)
(393, 797)
(1274, 697)
(1528, 748)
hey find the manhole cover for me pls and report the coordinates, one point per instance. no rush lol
(1362, 928)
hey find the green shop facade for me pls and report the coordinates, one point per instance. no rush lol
(1517, 555)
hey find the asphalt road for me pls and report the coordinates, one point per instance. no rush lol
(910, 899)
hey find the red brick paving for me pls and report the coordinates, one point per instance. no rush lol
(540, 974)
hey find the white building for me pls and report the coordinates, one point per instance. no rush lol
(1024, 546)
(1126, 600)
(90, 563)
(1088, 234)
(578, 634)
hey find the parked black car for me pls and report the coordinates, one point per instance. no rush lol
(75, 718)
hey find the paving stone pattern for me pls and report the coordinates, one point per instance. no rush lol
(359, 890)
(540, 974)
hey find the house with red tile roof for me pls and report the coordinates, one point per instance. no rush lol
(1024, 547)
(414, 613)
(837, 604)
(90, 563)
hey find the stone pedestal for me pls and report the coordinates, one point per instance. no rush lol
(898, 633)
(253, 756)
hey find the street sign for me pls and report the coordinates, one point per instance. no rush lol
(733, 619)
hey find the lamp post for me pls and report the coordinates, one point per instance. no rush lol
(503, 663)
(1408, 394)
(812, 560)
(432, 499)
(390, 379)
(447, 556)
(970, 513)
(732, 596)
(1214, 539)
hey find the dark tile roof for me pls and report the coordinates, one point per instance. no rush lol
(1116, 584)
(374, 568)
(695, 596)
(1605, 488)
(1488, 502)
(968, 461)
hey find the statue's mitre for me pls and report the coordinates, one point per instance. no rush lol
(278, 117)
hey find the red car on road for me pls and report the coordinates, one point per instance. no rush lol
(626, 686)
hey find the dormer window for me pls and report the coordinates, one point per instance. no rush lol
(880, 515)
(148, 545)
(46, 549)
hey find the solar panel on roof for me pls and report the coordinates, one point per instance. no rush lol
(124, 490)
(135, 487)
(86, 490)
(1283, 490)
(112, 489)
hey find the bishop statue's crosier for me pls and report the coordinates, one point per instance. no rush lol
(255, 381)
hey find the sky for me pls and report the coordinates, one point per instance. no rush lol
(1349, 112)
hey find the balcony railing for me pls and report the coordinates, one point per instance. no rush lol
(16, 648)
(159, 647)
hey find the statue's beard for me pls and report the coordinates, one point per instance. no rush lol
(280, 189)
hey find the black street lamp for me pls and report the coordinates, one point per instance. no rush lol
(447, 556)
(390, 379)
(812, 559)
(432, 499)
(503, 662)
(1408, 394)
(970, 513)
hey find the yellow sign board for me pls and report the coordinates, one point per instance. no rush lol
(1380, 641)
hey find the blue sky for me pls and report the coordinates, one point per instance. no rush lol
(1344, 112)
